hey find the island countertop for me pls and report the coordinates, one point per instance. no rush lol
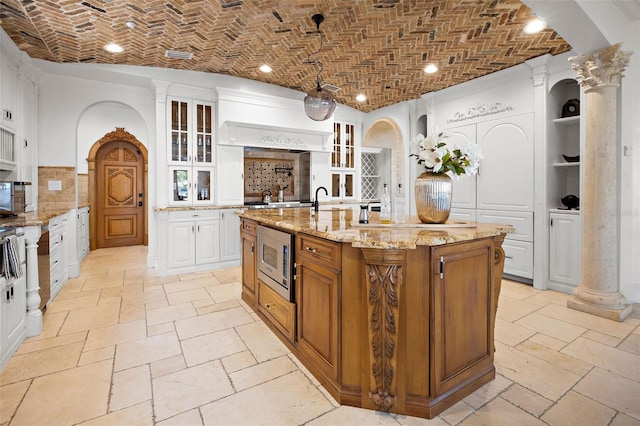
(341, 225)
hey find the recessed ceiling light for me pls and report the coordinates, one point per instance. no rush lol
(130, 24)
(535, 26)
(265, 68)
(361, 97)
(430, 68)
(113, 48)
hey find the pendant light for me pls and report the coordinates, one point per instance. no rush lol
(319, 103)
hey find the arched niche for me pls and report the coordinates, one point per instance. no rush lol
(385, 134)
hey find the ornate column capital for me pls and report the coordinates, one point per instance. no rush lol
(601, 69)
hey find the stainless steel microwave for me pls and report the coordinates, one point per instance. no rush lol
(13, 197)
(275, 261)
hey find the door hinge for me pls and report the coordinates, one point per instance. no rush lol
(441, 266)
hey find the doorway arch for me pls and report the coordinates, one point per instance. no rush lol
(386, 134)
(118, 135)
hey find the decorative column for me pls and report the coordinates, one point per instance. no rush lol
(384, 282)
(599, 74)
(34, 315)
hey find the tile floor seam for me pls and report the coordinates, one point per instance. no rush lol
(15, 411)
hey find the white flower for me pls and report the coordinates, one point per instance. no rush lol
(437, 158)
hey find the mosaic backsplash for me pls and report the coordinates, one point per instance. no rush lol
(263, 174)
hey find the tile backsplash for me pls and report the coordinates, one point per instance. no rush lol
(273, 169)
(83, 189)
(50, 178)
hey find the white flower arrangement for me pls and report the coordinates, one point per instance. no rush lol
(437, 158)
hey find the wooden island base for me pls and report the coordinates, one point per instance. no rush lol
(408, 331)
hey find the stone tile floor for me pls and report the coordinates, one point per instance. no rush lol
(121, 346)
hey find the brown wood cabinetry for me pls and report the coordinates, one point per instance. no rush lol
(279, 311)
(404, 330)
(317, 287)
(248, 233)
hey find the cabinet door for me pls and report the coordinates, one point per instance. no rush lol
(229, 235)
(207, 241)
(464, 189)
(203, 134)
(317, 304)
(230, 186)
(320, 174)
(179, 116)
(249, 267)
(342, 185)
(202, 185)
(343, 154)
(182, 244)
(462, 306)
(15, 314)
(505, 180)
(565, 248)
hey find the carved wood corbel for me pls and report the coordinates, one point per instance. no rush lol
(498, 268)
(384, 282)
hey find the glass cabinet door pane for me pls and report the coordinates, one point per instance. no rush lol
(204, 134)
(335, 154)
(349, 146)
(203, 185)
(183, 116)
(348, 185)
(181, 185)
(335, 185)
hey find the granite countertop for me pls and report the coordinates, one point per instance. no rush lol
(35, 218)
(189, 208)
(342, 225)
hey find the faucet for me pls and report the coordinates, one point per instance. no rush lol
(315, 203)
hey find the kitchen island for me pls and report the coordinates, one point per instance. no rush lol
(397, 318)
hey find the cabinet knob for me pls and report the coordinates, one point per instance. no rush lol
(310, 249)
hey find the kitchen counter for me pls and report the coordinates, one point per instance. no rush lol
(341, 225)
(396, 318)
(35, 218)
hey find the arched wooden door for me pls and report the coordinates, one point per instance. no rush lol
(120, 197)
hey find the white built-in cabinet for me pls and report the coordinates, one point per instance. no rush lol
(59, 245)
(197, 240)
(190, 151)
(343, 162)
(82, 233)
(230, 245)
(230, 179)
(565, 243)
(563, 178)
(320, 171)
(9, 88)
(13, 309)
(502, 192)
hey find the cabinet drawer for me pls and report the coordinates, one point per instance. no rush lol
(281, 312)
(194, 215)
(518, 258)
(250, 227)
(522, 221)
(323, 251)
(465, 215)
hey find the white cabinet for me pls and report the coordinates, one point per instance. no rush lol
(8, 90)
(463, 194)
(13, 310)
(230, 244)
(506, 180)
(230, 169)
(565, 248)
(193, 238)
(197, 240)
(82, 233)
(191, 151)
(343, 162)
(320, 175)
(58, 257)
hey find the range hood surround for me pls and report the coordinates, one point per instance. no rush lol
(263, 121)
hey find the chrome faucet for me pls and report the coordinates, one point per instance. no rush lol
(315, 203)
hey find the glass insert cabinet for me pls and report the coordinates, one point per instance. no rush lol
(191, 151)
(343, 167)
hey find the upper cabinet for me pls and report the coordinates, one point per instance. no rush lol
(343, 161)
(8, 92)
(191, 132)
(191, 151)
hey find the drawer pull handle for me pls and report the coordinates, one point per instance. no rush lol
(269, 306)
(509, 257)
(310, 249)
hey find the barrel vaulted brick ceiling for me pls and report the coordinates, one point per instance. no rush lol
(375, 47)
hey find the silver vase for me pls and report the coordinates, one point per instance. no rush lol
(433, 197)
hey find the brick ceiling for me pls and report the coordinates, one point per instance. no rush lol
(375, 47)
